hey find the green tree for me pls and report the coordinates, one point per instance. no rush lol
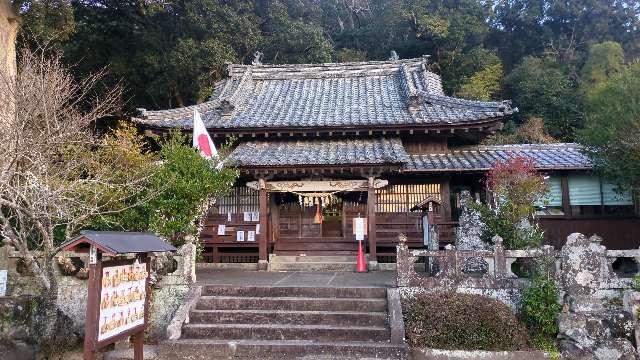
(604, 60)
(530, 132)
(541, 89)
(166, 54)
(350, 55)
(175, 189)
(613, 128)
(484, 84)
(291, 39)
(184, 184)
(47, 24)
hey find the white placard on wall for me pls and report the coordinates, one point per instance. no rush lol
(255, 216)
(247, 216)
(359, 228)
(3, 282)
(240, 236)
(251, 235)
(222, 230)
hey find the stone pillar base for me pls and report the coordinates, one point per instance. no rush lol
(373, 265)
(263, 265)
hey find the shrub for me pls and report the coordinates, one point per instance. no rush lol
(540, 306)
(516, 187)
(636, 283)
(172, 192)
(464, 322)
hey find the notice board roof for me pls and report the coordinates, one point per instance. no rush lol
(120, 242)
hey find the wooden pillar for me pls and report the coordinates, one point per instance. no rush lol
(446, 200)
(566, 202)
(371, 220)
(263, 256)
(91, 319)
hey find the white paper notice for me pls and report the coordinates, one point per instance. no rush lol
(222, 229)
(251, 235)
(240, 236)
(359, 227)
(229, 217)
(3, 282)
(247, 216)
(257, 228)
(255, 216)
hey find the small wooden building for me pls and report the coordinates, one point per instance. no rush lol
(321, 144)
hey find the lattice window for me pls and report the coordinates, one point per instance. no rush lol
(401, 198)
(240, 199)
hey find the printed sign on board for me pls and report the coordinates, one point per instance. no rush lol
(122, 299)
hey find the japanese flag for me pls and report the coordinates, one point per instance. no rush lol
(201, 139)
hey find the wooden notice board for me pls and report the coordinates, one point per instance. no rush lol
(118, 303)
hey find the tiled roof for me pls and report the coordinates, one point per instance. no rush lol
(320, 152)
(384, 151)
(546, 157)
(376, 93)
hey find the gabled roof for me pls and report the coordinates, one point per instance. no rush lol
(377, 151)
(335, 95)
(117, 242)
(562, 156)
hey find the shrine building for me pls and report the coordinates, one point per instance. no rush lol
(318, 145)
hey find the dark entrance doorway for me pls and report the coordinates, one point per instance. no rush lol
(313, 226)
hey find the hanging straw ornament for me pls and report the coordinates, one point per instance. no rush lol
(300, 199)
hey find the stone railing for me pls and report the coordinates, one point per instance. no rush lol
(449, 268)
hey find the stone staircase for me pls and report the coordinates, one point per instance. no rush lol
(290, 323)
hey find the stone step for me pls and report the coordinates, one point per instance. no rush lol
(291, 303)
(313, 266)
(302, 291)
(307, 252)
(288, 317)
(285, 331)
(207, 349)
(311, 258)
(319, 246)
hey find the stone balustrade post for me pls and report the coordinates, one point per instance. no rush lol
(404, 261)
(499, 258)
(188, 253)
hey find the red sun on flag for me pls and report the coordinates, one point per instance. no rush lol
(203, 145)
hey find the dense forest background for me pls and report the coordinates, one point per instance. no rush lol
(547, 56)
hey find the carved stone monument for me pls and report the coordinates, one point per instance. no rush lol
(468, 235)
(586, 329)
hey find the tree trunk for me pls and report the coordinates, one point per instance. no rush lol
(9, 26)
